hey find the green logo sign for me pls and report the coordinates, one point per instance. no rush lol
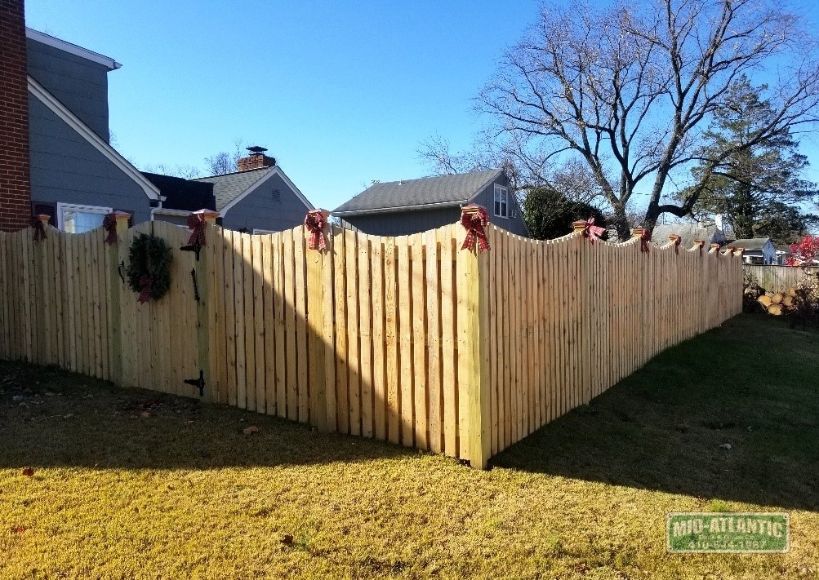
(727, 532)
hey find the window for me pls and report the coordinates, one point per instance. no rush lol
(501, 201)
(78, 219)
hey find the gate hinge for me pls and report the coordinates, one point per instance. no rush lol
(198, 383)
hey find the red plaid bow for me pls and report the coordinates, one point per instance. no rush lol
(196, 223)
(475, 221)
(315, 221)
(592, 231)
(39, 230)
(145, 283)
(645, 237)
(109, 224)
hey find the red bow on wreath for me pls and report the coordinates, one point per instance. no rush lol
(315, 221)
(109, 224)
(475, 219)
(645, 237)
(196, 223)
(145, 283)
(592, 231)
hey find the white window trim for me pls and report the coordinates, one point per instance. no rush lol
(504, 191)
(62, 207)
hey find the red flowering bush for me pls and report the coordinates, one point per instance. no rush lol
(804, 252)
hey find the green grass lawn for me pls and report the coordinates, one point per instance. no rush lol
(133, 483)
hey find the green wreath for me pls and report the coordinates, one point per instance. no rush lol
(149, 262)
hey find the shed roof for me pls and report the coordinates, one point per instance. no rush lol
(689, 233)
(749, 243)
(439, 190)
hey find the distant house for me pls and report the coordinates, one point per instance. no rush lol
(260, 197)
(76, 176)
(180, 197)
(415, 205)
(689, 233)
(758, 251)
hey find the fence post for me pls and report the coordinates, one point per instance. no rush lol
(473, 330)
(318, 256)
(116, 253)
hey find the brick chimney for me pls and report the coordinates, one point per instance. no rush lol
(256, 159)
(15, 187)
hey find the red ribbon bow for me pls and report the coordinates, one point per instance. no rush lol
(39, 230)
(196, 223)
(145, 283)
(109, 224)
(475, 222)
(315, 222)
(677, 242)
(592, 231)
(645, 237)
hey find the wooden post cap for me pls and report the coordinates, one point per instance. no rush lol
(471, 208)
(739, 251)
(699, 243)
(638, 232)
(208, 214)
(324, 213)
(122, 216)
(579, 225)
(713, 248)
(674, 238)
(43, 217)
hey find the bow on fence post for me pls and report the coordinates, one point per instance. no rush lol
(676, 240)
(109, 224)
(197, 222)
(316, 222)
(700, 244)
(713, 249)
(475, 219)
(645, 237)
(590, 231)
(39, 225)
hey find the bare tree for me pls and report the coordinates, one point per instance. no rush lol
(224, 162)
(184, 171)
(630, 90)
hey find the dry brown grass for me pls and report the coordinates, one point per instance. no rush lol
(182, 492)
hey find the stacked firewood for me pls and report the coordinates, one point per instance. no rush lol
(779, 303)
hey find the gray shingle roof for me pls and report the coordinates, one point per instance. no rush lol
(228, 187)
(749, 243)
(688, 232)
(411, 193)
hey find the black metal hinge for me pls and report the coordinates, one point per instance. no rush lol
(198, 383)
(192, 248)
(195, 285)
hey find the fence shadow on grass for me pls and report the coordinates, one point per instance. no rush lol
(750, 385)
(52, 418)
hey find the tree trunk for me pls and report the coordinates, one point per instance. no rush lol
(621, 222)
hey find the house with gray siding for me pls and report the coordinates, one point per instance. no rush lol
(259, 197)
(76, 176)
(415, 205)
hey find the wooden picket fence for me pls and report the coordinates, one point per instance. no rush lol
(407, 339)
(780, 278)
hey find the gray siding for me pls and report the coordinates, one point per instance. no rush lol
(404, 223)
(66, 168)
(79, 84)
(486, 198)
(414, 221)
(260, 209)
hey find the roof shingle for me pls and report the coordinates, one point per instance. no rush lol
(228, 187)
(408, 193)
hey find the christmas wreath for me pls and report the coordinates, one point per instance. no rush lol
(149, 261)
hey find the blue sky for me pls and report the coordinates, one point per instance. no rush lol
(341, 92)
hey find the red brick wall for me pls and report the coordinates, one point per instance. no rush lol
(15, 189)
(255, 161)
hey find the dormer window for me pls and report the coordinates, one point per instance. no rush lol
(501, 201)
